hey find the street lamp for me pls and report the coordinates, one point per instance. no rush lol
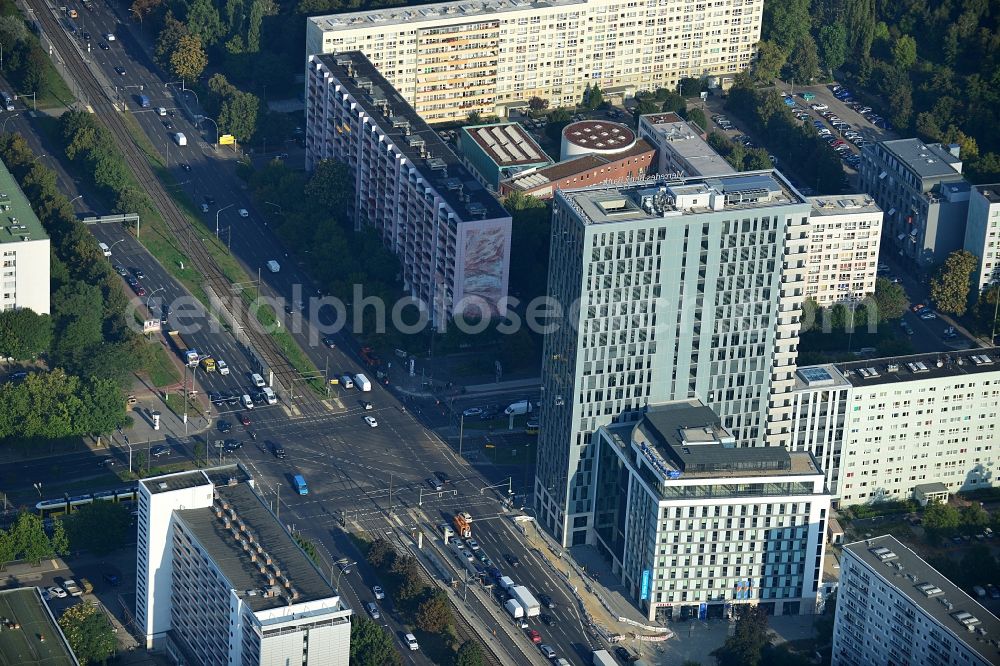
(345, 566)
(79, 196)
(149, 300)
(115, 243)
(217, 213)
(216, 129)
(3, 128)
(38, 487)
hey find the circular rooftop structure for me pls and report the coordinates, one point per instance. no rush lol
(595, 136)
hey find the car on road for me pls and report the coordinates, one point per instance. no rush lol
(257, 380)
(168, 125)
(378, 592)
(534, 636)
(138, 274)
(546, 601)
(204, 207)
(106, 462)
(225, 426)
(370, 420)
(120, 71)
(222, 366)
(103, 46)
(110, 36)
(918, 307)
(473, 411)
(159, 450)
(548, 620)
(244, 420)
(72, 588)
(140, 291)
(435, 484)
(186, 166)
(472, 543)
(547, 651)
(233, 445)
(927, 315)
(111, 579)
(57, 592)
(329, 342)
(907, 328)
(120, 270)
(244, 212)
(993, 591)
(512, 560)
(411, 642)
(86, 36)
(373, 610)
(132, 282)
(278, 450)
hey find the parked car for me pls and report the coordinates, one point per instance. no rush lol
(928, 314)
(373, 610)
(378, 592)
(370, 420)
(225, 426)
(244, 420)
(159, 450)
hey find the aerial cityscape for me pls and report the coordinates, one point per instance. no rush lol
(500, 332)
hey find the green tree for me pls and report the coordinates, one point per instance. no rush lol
(380, 552)
(941, 517)
(30, 540)
(307, 546)
(690, 87)
(697, 116)
(143, 8)
(904, 52)
(89, 633)
(859, 19)
(746, 646)
(786, 22)
(803, 63)
(531, 223)
(974, 518)
(538, 104)
(409, 575)
(987, 310)
(331, 185)
(371, 645)
(470, 654)
(100, 528)
(950, 287)
(833, 46)
(890, 300)
(200, 457)
(434, 613)
(238, 115)
(770, 61)
(593, 97)
(188, 59)
(166, 42)
(60, 542)
(23, 334)
(204, 21)
(647, 105)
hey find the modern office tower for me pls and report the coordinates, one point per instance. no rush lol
(25, 249)
(696, 525)
(669, 291)
(219, 580)
(982, 234)
(33, 636)
(682, 147)
(451, 59)
(895, 608)
(498, 151)
(452, 238)
(883, 429)
(845, 233)
(925, 198)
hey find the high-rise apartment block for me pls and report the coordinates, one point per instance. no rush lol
(24, 251)
(452, 238)
(696, 525)
(895, 608)
(453, 58)
(882, 428)
(672, 290)
(845, 233)
(982, 234)
(220, 581)
(925, 198)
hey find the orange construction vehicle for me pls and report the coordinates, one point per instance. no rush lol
(463, 524)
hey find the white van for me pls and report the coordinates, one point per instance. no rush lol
(247, 401)
(269, 395)
(257, 380)
(347, 382)
(180, 139)
(104, 249)
(273, 266)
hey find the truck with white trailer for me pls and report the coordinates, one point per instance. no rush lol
(362, 382)
(603, 658)
(528, 602)
(514, 608)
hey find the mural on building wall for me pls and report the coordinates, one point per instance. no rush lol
(485, 266)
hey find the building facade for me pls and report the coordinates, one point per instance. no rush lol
(895, 608)
(671, 290)
(499, 151)
(24, 251)
(925, 198)
(634, 164)
(452, 238)
(220, 581)
(681, 147)
(880, 428)
(845, 234)
(453, 58)
(695, 525)
(982, 234)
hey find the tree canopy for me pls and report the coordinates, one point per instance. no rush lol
(90, 634)
(951, 285)
(100, 528)
(371, 645)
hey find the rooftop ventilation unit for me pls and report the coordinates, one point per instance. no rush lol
(930, 590)
(882, 553)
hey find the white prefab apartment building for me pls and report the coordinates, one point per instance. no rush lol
(880, 428)
(696, 525)
(844, 239)
(24, 251)
(982, 234)
(219, 580)
(895, 608)
(671, 291)
(453, 58)
(683, 150)
(451, 236)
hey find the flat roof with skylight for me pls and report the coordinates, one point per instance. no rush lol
(18, 222)
(878, 371)
(846, 204)
(462, 9)
(927, 160)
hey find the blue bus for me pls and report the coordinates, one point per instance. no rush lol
(300, 485)
(143, 101)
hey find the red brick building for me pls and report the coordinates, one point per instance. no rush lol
(635, 163)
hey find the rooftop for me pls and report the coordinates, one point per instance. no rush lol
(686, 439)
(930, 591)
(462, 9)
(568, 168)
(18, 222)
(21, 647)
(507, 144)
(927, 160)
(847, 204)
(599, 135)
(878, 371)
(675, 132)
(990, 192)
(412, 136)
(199, 477)
(662, 198)
(241, 534)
